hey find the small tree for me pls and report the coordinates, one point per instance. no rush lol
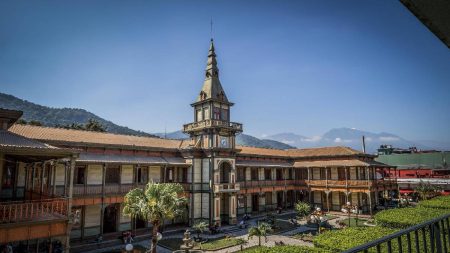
(200, 227)
(427, 190)
(155, 203)
(261, 231)
(303, 209)
(94, 125)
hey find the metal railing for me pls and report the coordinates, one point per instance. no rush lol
(429, 237)
(41, 209)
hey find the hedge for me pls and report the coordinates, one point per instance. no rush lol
(441, 202)
(285, 249)
(407, 217)
(340, 240)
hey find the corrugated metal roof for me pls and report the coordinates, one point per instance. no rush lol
(125, 159)
(128, 159)
(266, 164)
(435, 160)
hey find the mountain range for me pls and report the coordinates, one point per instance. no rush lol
(350, 137)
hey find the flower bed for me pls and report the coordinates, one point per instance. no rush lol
(407, 217)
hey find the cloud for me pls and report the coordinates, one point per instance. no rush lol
(340, 140)
(368, 139)
(389, 138)
(264, 135)
(288, 142)
(312, 139)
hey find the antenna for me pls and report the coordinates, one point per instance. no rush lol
(211, 28)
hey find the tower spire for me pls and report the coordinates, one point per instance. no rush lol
(212, 89)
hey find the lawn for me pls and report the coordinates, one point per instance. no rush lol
(212, 244)
(354, 223)
(219, 244)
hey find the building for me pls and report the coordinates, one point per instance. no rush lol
(416, 167)
(222, 180)
(35, 190)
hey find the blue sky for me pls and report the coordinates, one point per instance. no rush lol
(289, 66)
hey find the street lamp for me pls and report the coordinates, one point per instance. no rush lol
(348, 207)
(318, 217)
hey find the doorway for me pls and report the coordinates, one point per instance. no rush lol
(110, 216)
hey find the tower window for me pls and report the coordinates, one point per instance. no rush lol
(216, 113)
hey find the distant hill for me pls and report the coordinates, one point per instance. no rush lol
(241, 139)
(347, 137)
(60, 116)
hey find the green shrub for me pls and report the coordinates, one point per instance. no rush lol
(340, 240)
(285, 249)
(441, 202)
(407, 217)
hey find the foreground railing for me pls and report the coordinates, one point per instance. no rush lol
(33, 210)
(432, 236)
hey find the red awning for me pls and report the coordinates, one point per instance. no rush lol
(445, 193)
(406, 191)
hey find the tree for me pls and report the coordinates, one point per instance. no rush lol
(35, 123)
(94, 125)
(261, 231)
(156, 203)
(427, 190)
(303, 209)
(200, 227)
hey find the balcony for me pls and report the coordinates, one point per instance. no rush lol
(109, 189)
(34, 210)
(211, 123)
(218, 188)
(341, 183)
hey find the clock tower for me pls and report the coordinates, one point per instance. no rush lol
(212, 150)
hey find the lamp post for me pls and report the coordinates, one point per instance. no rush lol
(318, 217)
(348, 207)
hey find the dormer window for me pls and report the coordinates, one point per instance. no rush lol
(202, 95)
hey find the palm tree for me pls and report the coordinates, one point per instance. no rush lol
(200, 227)
(261, 231)
(155, 203)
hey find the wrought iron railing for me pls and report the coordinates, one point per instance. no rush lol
(429, 237)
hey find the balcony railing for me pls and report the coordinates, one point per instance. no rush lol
(430, 236)
(270, 183)
(109, 189)
(212, 123)
(226, 187)
(33, 210)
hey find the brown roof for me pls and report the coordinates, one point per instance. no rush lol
(331, 163)
(262, 151)
(325, 151)
(51, 134)
(298, 153)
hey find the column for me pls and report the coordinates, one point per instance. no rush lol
(69, 187)
(54, 179)
(232, 211)
(102, 209)
(327, 196)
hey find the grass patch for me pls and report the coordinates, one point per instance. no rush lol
(219, 244)
(353, 222)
